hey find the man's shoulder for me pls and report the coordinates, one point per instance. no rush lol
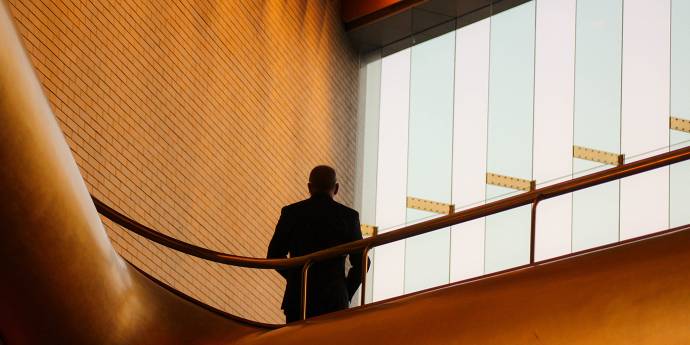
(306, 205)
(295, 206)
(346, 210)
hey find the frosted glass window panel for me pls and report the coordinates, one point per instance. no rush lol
(680, 58)
(553, 121)
(430, 156)
(595, 210)
(369, 140)
(511, 95)
(679, 140)
(391, 193)
(645, 111)
(554, 227)
(426, 257)
(597, 116)
(367, 146)
(467, 250)
(598, 74)
(511, 92)
(431, 119)
(646, 73)
(469, 145)
(554, 89)
(680, 184)
(680, 107)
(507, 236)
(389, 271)
(644, 203)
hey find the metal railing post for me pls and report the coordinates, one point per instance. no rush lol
(365, 268)
(533, 229)
(303, 290)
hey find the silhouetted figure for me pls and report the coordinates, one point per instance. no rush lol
(309, 226)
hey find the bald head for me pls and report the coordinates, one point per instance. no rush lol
(322, 180)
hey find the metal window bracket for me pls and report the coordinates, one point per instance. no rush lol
(610, 158)
(510, 182)
(429, 205)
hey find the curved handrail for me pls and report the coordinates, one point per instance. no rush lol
(526, 198)
(532, 197)
(188, 248)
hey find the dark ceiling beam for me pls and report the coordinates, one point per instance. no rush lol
(393, 25)
(358, 13)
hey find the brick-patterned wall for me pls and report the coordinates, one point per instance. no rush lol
(201, 119)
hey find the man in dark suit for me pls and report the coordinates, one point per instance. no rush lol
(311, 225)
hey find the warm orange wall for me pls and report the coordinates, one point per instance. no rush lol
(199, 118)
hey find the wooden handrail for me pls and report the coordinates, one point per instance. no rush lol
(364, 245)
(522, 199)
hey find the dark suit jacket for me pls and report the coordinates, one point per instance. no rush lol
(309, 226)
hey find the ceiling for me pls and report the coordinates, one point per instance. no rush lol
(393, 25)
